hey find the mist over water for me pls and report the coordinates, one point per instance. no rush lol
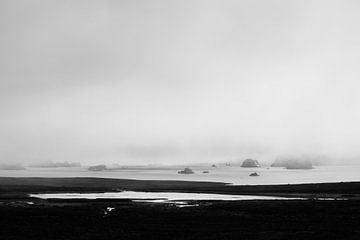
(180, 82)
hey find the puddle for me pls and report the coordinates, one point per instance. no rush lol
(109, 209)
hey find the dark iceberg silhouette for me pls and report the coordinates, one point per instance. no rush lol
(186, 171)
(100, 167)
(250, 163)
(11, 167)
(50, 164)
(293, 163)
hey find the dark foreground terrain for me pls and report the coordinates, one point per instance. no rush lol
(22, 217)
(219, 220)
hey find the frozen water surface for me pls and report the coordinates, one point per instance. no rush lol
(156, 196)
(229, 174)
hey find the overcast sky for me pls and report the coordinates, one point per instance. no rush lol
(142, 81)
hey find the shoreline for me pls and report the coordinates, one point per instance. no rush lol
(22, 186)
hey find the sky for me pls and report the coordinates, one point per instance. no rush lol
(163, 82)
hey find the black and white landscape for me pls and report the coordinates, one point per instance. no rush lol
(193, 119)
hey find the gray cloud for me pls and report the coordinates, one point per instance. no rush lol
(170, 81)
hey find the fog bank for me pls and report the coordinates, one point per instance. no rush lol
(144, 82)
